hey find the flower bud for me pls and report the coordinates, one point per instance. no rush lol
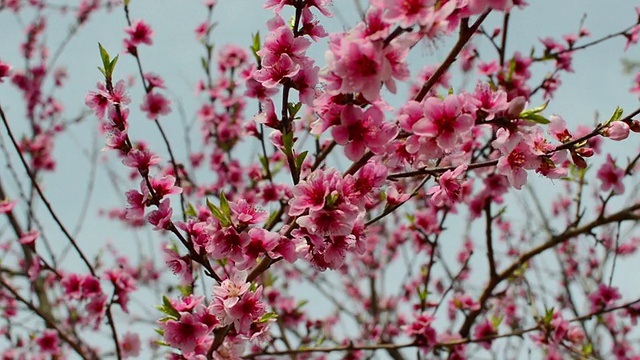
(516, 106)
(618, 130)
(586, 152)
(634, 125)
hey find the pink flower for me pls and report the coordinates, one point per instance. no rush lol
(262, 242)
(29, 238)
(247, 310)
(49, 342)
(518, 156)
(139, 32)
(337, 221)
(632, 37)
(118, 96)
(230, 57)
(130, 345)
(5, 70)
(310, 194)
(558, 128)
(227, 243)
(357, 190)
(123, 285)
(444, 121)
(141, 160)
(179, 265)
(246, 214)
(406, 13)
(98, 101)
(96, 308)
(361, 130)
(161, 217)
(154, 81)
(201, 30)
(449, 189)
(271, 76)
(477, 6)
(488, 101)
(358, 65)
(235, 286)
(611, 176)
(163, 187)
(90, 286)
(603, 297)
(155, 104)
(71, 285)
(184, 334)
(421, 331)
(7, 206)
(483, 330)
(187, 303)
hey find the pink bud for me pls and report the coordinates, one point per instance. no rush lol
(586, 152)
(618, 130)
(516, 106)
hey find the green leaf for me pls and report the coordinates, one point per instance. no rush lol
(105, 56)
(495, 321)
(287, 142)
(167, 308)
(535, 118)
(587, 349)
(331, 199)
(272, 217)
(538, 109)
(224, 206)
(268, 316)
(617, 114)
(255, 47)
(218, 214)
(203, 63)
(294, 109)
(159, 331)
(191, 211)
(185, 290)
(300, 159)
(112, 64)
(422, 294)
(548, 316)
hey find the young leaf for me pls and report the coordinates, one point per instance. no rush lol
(105, 56)
(294, 109)
(224, 206)
(287, 141)
(168, 309)
(617, 114)
(300, 159)
(218, 214)
(535, 118)
(268, 316)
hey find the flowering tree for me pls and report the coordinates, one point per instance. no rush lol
(350, 194)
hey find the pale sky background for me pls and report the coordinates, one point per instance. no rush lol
(597, 85)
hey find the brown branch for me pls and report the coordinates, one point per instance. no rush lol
(466, 32)
(51, 323)
(622, 215)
